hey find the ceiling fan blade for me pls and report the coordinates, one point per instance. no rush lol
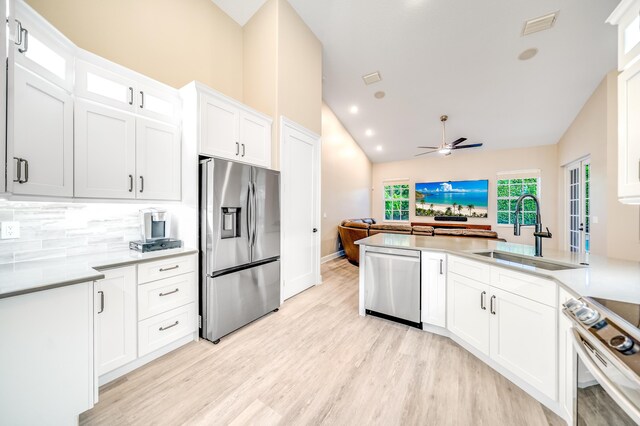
(473, 145)
(429, 147)
(423, 153)
(454, 143)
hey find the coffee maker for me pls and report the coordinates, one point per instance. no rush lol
(155, 231)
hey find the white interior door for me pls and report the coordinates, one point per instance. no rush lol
(300, 208)
(579, 206)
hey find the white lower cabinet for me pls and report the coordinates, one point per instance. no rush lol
(46, 358)
(164, 328)
(517, 333)
(524, 339)
(434, 289)
(116, 320)
(567, 359)
(467, 313)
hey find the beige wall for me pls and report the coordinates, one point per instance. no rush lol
(283, 69)
(172, 41)
(477, 165)
(346, 180)
(594, 133)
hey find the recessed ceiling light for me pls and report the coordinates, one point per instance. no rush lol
(379, 95)
(379, 148)
(528, 54)
(369, 132)
(353, 109)
(374, 77)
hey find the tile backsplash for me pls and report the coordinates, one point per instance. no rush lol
(51, 230)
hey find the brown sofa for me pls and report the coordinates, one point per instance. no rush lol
(352, 230)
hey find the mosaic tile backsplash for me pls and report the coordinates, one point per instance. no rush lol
(51, 230)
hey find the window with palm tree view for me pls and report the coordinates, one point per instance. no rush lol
(396, 202)
(509, 190)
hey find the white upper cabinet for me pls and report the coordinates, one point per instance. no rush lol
(39, 47)
(627, 17)
(104, 86)
(434, 288)
(40, 147)
(105, 152)
(226, 128)
(157, 160)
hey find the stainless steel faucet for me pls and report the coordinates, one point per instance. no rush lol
(539, 233)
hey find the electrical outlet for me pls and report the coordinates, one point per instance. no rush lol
(9, 230)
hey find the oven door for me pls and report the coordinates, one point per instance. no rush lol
(605, 395)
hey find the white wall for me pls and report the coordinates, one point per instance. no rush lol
(480, 164)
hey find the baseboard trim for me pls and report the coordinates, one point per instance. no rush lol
(332, 256)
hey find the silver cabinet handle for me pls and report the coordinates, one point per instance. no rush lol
(141, 183)
(493, 306)
(243, 150)
(101, 293)
(168, 269)
(18, 40)
(441, 262)
(141, 99)
(483, 303)
(130, 183)
(18, 170)
(26, 170)
(169, 326)
(23, 38)
(237, 148)
(169, 292)
(130, 95)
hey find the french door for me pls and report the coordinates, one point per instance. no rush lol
(579, 205)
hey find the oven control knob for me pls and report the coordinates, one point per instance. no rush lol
(587, 316)
(621, 343)
(573, 305)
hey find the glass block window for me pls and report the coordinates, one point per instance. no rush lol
(509, 190)
(396, 202)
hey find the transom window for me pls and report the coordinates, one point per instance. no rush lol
(396, 201)
(509, 190)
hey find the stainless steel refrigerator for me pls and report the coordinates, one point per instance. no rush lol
(240, 245)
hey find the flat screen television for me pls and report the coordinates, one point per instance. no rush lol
(469, 198)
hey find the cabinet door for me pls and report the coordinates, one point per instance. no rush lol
(566, 361)
(41, 48)
(162, 104)
(116, 322)
(104, 86)
(219, 123)
(255, 139)
(468, 312)
(434, 288)
(524, 340)
(629, 35)
(629, 134)
(105, 149)
(157, 161)
(42, 136)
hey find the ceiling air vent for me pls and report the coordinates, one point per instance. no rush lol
(374, 77)
(539, 24)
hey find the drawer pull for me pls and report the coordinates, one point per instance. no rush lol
(169, 292)
(168, 269)
(169, 326)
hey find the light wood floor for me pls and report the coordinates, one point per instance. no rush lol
(317, 362)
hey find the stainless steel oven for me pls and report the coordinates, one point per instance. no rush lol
(607, 368)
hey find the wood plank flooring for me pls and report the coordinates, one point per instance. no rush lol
(317, 362)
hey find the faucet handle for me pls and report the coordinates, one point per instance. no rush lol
(543, 234)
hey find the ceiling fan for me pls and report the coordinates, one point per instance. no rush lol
(446, 148)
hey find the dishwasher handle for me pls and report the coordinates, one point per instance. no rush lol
(393, 252)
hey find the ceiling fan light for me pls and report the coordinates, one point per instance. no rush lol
(444, 151)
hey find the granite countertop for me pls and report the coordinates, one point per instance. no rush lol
(27, 277)
(603, 277)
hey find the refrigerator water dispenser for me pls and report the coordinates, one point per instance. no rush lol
(230, 221)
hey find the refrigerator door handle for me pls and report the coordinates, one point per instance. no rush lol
(255, 215)
(250, 214)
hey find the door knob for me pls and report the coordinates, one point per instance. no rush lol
(315, 230)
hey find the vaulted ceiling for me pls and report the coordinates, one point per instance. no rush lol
(460, 58)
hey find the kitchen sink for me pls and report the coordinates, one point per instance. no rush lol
(528, 261)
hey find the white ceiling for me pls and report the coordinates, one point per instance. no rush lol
(458, 57)
(240, 10)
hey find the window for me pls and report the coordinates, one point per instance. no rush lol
(508, 192)
(396, 202)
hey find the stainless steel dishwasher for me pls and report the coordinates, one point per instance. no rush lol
(392, 284)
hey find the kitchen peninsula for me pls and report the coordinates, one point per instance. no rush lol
(495, 299)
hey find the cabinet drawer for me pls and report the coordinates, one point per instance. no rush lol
(477, 271)
(525, 285)
(162, 329)
(165, 268)
(161, 296)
